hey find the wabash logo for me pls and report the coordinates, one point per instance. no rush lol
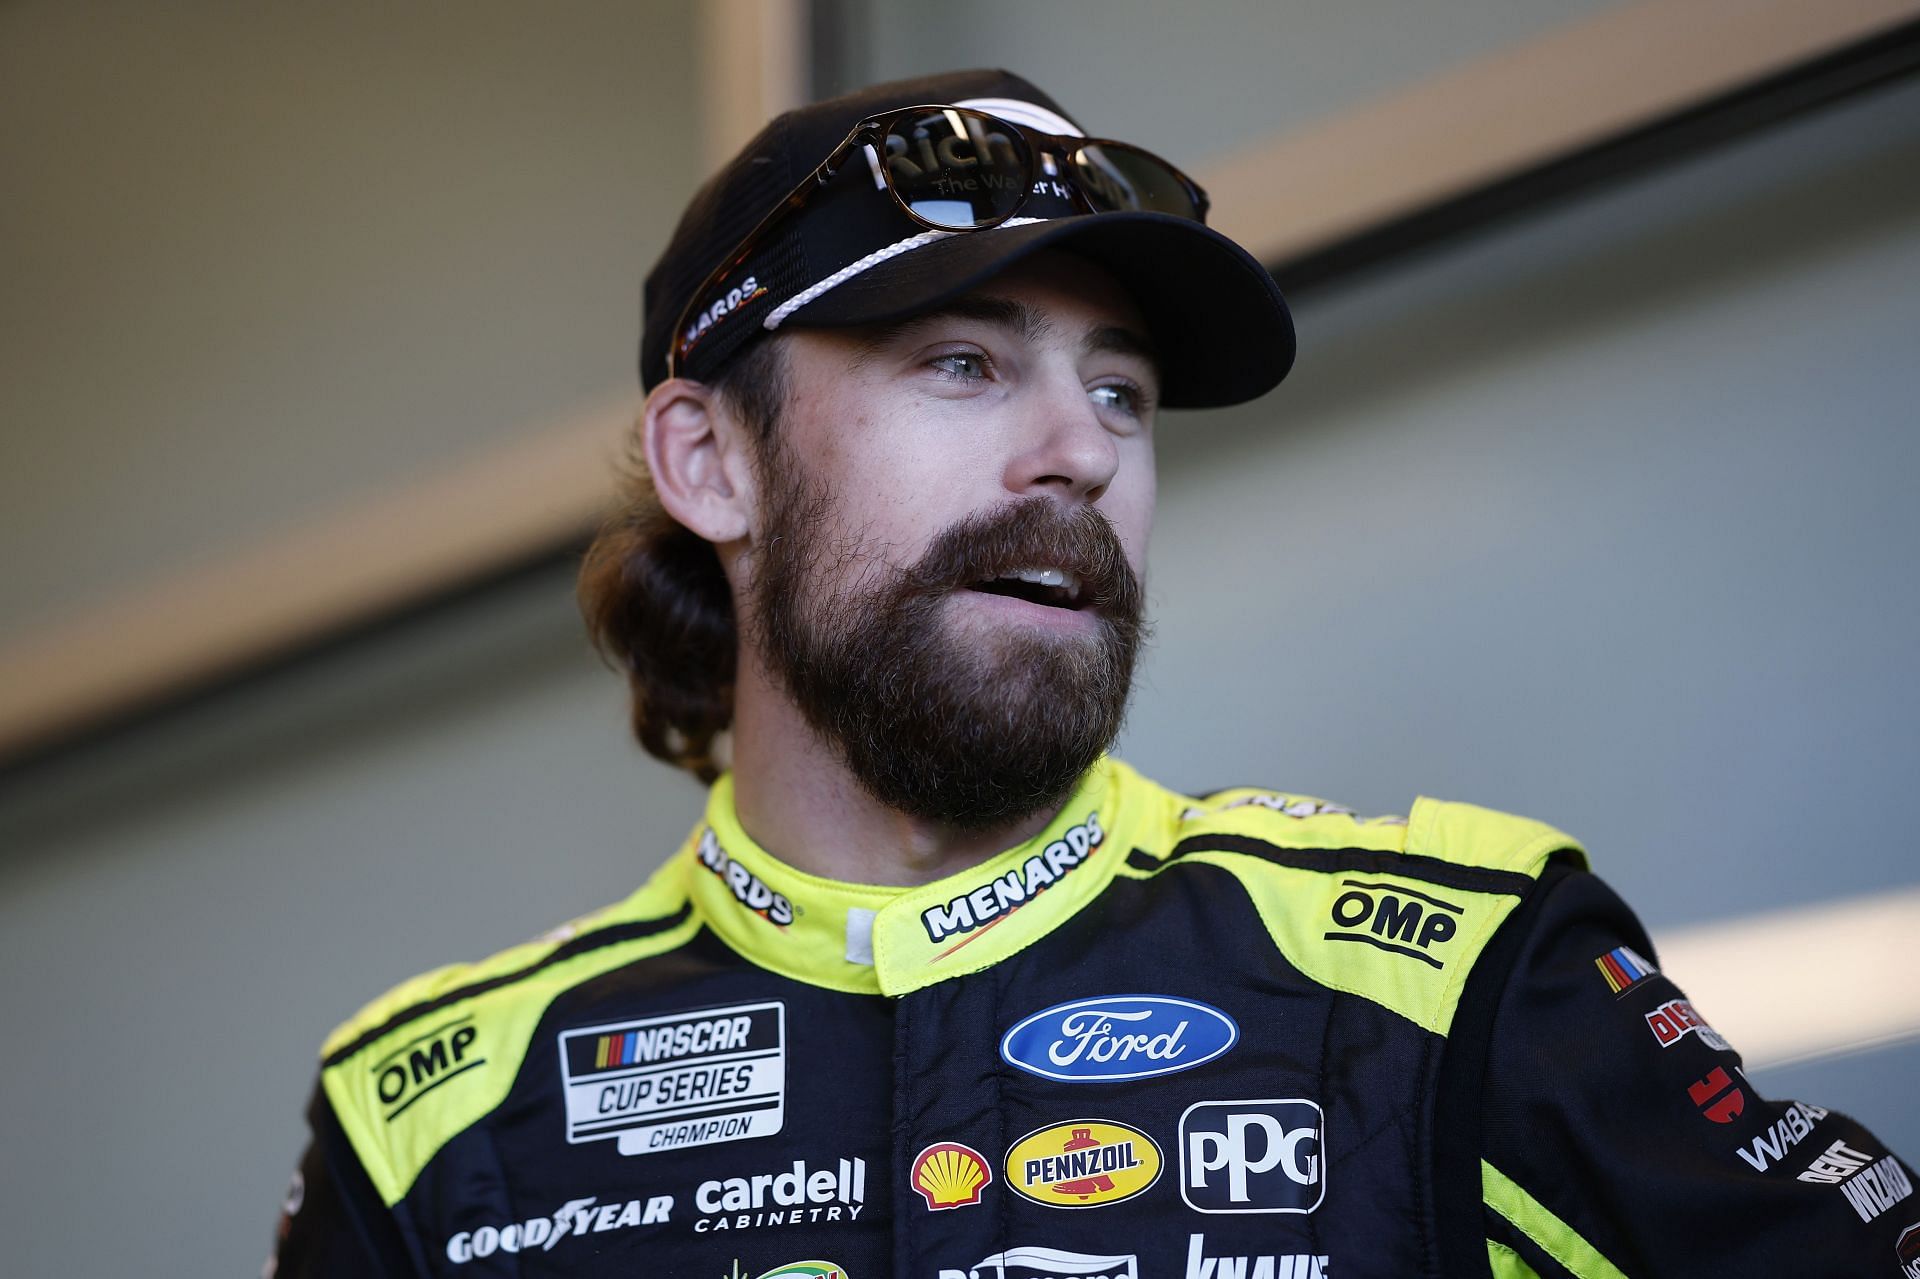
(1395, 918)
(1795, 1124)
(747, 887)
(1676, 1019)
(421, 1065)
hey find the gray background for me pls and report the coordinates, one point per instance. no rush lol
(1600, 516)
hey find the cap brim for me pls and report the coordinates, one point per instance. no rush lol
(1218, 323)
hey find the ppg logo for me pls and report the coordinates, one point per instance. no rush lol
(1252, 1156)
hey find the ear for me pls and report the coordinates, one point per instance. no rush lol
(697, 456)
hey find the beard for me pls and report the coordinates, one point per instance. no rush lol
(972, 726)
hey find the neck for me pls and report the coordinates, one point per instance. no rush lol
(795, 798)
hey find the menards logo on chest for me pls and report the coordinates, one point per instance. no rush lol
(1004, 894)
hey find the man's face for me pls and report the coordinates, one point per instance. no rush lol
(953, 524)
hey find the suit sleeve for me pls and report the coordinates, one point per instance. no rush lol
(333, 1223)
(1620, 1136)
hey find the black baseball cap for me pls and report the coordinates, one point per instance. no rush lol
(852, 255)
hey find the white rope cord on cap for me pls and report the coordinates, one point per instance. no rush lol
(780, 313)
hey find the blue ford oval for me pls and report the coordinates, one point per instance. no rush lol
(1114, 1037)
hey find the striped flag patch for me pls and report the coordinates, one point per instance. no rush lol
(1623, 968)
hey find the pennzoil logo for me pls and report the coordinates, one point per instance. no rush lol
(1086, 1163)
(748, 888)
(993, 901)
(950, 1175)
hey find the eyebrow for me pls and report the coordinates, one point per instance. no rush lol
(1025, 321)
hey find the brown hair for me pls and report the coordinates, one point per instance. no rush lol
(658, 606)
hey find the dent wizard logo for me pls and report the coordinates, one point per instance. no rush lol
(1114, 1037)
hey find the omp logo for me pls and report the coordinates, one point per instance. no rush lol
(575, 1217)
(423, 1063)
(1395, 918)
(1049, 1263)
(1252, 1156)
(747, 887)
(994, 900)
(1286, 1265)
(1087, 1163)
(1113, 1037)
(1676, 1019)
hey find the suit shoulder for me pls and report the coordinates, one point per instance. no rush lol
(502, 976)
(1289, 827)
(436, 1053)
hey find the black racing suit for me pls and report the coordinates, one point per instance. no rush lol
(1241, 1037)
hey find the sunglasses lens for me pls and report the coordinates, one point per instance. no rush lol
(1116, 179)
(956, 168)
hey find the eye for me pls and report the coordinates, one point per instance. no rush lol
(1120, 397)
(961, 366)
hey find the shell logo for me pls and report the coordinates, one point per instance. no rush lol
(1085, 1163)
(950, 1175)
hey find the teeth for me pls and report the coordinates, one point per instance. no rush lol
(1045, 577)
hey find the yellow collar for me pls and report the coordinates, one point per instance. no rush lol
(875, 939)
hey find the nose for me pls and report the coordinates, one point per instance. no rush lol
(1064, 449)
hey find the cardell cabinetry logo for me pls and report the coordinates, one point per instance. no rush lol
(1114, 1037)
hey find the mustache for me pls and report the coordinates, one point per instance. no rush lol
(1032, 532)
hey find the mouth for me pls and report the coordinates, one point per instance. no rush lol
(1045, 585)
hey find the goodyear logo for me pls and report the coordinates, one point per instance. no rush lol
(950, 1175)
(1087, 1163)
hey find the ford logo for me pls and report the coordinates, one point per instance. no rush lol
(1116, 1037)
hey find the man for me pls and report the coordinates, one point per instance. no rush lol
(936, 989)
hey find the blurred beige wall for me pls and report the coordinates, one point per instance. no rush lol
(1603, 515)
(261, 261)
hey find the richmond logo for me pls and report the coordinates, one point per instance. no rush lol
(747, 886)
(1000, 897)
